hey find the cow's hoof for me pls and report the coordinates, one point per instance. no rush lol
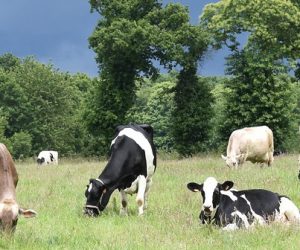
(123, 212)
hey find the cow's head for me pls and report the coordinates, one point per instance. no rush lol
(233, 161)
(9, 213)
(94, 197)
(210, 191)
(40, 160)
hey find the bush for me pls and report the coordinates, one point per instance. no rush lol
(21, 145)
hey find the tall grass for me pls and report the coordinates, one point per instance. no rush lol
(171, 221)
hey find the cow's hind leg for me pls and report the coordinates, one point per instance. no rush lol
(140, 199)
(270, 159)
(148, 185)
(289, 210)
(124, 203)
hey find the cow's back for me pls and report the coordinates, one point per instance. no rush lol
(253, 141)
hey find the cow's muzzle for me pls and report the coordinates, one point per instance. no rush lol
(92, 211)
(204, 218)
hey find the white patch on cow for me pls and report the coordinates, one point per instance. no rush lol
(124, 203)
(142, 141)
(243, 217)
(209, 186)
(141, 193)
(133, 188)
(257, 217)
(100, 181)
(229, 194)
(90, 187)
(288, 210)
(230, 227)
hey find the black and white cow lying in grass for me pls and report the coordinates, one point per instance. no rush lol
(130, 169)
(232, 209)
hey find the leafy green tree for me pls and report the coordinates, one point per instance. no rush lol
(9, 61)
(192, 113)
(123, 42)
(272, 25)
(21, 144)
(44, 103)
(219, 91)
(261, 90)
(3, 125)
(128, 39)
(259, 96)
(154, 105)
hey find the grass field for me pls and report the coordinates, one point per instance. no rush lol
(171, 221)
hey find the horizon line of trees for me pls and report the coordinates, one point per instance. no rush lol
(42, 108)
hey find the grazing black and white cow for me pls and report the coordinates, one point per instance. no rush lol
(234, 209)
(130, 168)
(47, 157)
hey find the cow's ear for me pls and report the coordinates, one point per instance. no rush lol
(227, 185)
(224, 157)
(195, 187)
(147, 128)
(27, 213)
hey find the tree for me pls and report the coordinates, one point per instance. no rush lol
(21, 145)
(192, 113)
(261, 90)
(154, 105)
(9, 61)
(272, 25)
(123, 41)
(259, 95)
(128, 39)
(42, 106)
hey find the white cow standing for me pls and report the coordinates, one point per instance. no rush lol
(253, 144)
(47, 157)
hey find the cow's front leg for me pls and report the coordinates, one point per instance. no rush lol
(124, 203)
(141, 193)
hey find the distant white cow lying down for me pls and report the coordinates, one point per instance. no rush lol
(253, 144)
(47, 157)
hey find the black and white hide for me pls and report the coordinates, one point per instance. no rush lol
(232, 209)
(130, 168)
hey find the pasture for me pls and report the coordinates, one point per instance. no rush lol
(171, 220)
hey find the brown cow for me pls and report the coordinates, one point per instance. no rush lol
(9, 208)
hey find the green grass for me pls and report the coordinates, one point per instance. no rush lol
(171, 221)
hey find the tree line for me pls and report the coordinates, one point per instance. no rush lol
(43, 108)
